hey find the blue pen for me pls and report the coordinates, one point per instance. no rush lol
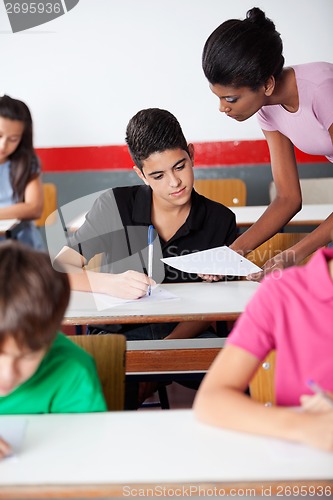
(319, 390)
(150, 253)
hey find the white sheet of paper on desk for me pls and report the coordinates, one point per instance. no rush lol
(83, 301)
(158, 294)
(218, 261)
(12, 431)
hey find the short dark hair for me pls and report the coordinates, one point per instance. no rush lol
(153, 130)
(243, 53)
(33, 296)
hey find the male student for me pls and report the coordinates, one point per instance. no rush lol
(117, 225)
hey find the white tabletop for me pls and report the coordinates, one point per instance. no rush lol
(195, 301)
(151, 447)
(247, 215)
(308, 215)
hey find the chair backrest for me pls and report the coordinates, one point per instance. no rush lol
(314, 191)
(262, 384)
(109, 352)
(273, 246)
(50, 203)
(230, 192)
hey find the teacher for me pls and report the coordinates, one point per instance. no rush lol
(243, 62)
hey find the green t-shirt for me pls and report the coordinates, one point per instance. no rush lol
(66, 381)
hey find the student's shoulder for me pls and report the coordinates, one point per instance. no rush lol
(317, 73)
(66, 352)
(281, 281)
(108, 198)
(124, 194)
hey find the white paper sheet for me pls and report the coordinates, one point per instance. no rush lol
(83, 301)
(6, 224)
(12, 431)
(219, 261)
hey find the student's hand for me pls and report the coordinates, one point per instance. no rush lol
(317, 430)
(210, 277)
(317, 402)
(5, 449)
(278, 263)
(129, 285)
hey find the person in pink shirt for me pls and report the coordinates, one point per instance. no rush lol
(243, 62)
(291, 313)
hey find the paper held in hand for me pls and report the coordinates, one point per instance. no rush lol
(219, 261)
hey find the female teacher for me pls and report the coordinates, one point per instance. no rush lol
(244, 65)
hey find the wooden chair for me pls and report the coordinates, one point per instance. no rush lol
(50, 204)
(274, 246)
(230, 192)
(109, 352)
(262, 384)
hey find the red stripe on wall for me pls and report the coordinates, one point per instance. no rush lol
(207, 154)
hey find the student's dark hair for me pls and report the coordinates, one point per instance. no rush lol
(24, 162)
(33, 296)
(151, 131)
(243, 53)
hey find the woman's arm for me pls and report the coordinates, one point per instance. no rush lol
(221, 402)
(32, 206)
(288, 199)
(128, 285)
(320, 237)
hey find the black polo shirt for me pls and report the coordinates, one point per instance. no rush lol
(117, 226)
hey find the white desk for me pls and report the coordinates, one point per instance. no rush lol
(309, 215)
(246, 216)
(114, 454)
(7, 225)
(196, 301)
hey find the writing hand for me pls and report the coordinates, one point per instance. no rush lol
(317, 402)
(131, 285)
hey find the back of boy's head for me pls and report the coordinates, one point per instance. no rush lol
(151, 131)
(33, 296)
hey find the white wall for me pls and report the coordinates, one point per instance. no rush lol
(86, 73)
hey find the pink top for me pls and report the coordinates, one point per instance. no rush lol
(308, 127)
(293, 314)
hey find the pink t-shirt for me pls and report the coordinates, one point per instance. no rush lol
(308, 127)
(292, 314)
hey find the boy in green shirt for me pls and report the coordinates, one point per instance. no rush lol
(41, 371)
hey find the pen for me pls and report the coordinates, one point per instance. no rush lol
(319, 390)
(150, 254)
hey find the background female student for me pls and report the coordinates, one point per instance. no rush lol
(21, 194)
(292, 315)
(244, 65)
